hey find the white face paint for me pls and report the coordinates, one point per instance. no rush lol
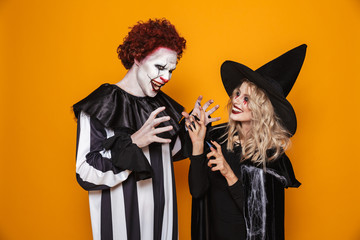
(240, 111)
(155, 70)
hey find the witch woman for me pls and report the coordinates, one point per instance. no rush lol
(238, 182)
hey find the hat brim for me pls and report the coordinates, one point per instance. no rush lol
(232, 74)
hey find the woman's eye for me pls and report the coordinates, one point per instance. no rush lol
(246, 99)
(237, 94)
(160, 67)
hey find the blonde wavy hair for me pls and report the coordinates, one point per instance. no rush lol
(267, 139)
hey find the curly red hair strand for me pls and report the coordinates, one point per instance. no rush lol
(144, 38)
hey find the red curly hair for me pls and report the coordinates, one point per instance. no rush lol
(144, 38)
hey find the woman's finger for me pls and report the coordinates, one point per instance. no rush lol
(211, 163)
(194, 123)
(189, 126)
(202, 115)
(195, 115)
(213, 150)
(210, 154)
(214, 165)
(218, 147)
(187, 121)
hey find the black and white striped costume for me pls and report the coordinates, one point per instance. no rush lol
(131, 190)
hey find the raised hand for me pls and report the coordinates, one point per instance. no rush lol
(217, 162)
(196, 111)
(197, 132)
(147, 133)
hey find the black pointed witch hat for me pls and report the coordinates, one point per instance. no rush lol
(276, 78)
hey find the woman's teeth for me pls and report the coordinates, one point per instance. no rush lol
(236, 110)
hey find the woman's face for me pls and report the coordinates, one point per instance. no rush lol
(155, 70)
(240, 111)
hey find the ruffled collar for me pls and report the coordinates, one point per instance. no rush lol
(117, 109)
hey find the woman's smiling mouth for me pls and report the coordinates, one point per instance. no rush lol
(236, 110)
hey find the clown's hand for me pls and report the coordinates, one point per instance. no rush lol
(196, 111)
(147, 133)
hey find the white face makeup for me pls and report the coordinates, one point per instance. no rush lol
(240, 111)
(155, 70)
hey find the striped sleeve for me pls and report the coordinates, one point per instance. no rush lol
(176, 147)
(181, 144)
(94, 168)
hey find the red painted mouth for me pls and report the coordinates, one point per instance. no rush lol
(156, 85)
(236, 110)
(163, 79)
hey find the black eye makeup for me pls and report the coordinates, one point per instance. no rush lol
(246, 99)
(160, 67)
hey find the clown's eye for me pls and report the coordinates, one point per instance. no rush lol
(246, 99)
(160, 67)
(237, 94)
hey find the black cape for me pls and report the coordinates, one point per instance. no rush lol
(125, 114)
(264, 210)
(115, 109)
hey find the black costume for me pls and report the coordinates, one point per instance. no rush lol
(258, 195)
(220, 212)
(110, 166)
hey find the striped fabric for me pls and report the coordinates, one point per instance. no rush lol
(120, 206)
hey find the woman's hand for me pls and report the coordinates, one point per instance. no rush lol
(217, 162)
(197, 132)
(147, 133)
(196, 111)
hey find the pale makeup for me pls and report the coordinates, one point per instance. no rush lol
(240, 111)
(155, 70)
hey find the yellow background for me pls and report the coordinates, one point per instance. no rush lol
(54, 53)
